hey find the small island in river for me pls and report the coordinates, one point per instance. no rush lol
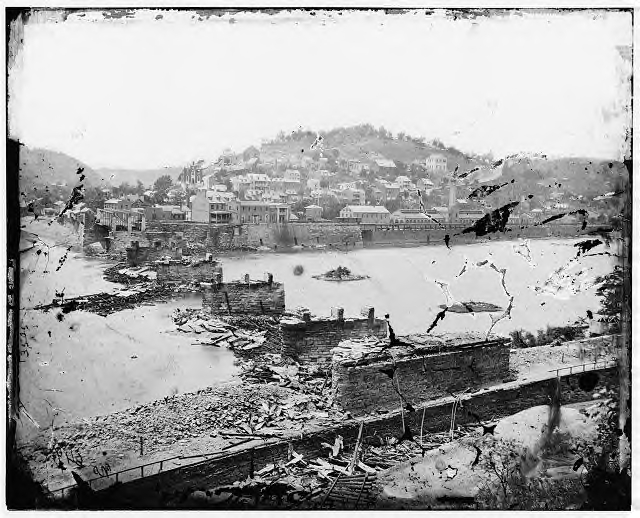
(340, 274)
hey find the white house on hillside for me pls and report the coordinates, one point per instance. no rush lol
(436, 163)
(403, 181)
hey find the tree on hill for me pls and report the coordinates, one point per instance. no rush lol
(437, 144)
(393, 205)
(123, 189)
(384, 133)
(161, 186)
(250, 152)
(178, 197)
(332, 210)
(94, 197)
(163, 183)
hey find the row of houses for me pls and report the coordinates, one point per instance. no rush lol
(208, 206)
(252, 165)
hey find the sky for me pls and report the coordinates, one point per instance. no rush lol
(144, 93)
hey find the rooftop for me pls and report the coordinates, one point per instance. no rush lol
(385, 162)
(378, 209)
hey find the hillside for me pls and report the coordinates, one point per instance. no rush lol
(365, 143)
(147, 176)
(42, 168)
(565, 178)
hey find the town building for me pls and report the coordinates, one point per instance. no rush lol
(390, 191)
(464, 215)
(165, 213)
(292, 174)
(410, 216)
(278, 184)
(244, 211)
(210, 207)
(240, 183)
(439, 213)
(436, 163)
(384, 166)
(259, 181)
(313, 212)
(352, 196)
(208, 180)
(365, 214)
(191, 175)
(356, 167)
(424, 184)
(118, 204)
(290, 196)
(404, 182)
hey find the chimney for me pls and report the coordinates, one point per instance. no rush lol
(337, 313)
(369, 313)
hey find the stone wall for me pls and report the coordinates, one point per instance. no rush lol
(181, 237)
(165, 237)
(95, 234)
(399, 236)
(198, 238)
(249, 296)
(176, 271)
(311, 340)
(495, 403)
(307, 234)
(369, 386)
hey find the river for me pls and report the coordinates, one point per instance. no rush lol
(88, 365)
(402, 283)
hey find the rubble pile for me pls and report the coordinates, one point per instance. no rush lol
(257, 341)
(186, 260)
(105, 304)
(340, 479)
(337, 479)
(242, 334)
(224, 415)
(123, 274)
